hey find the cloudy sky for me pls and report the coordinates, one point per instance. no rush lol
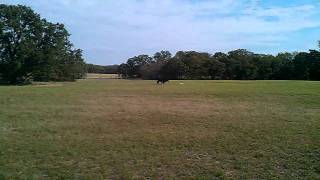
(110, 31)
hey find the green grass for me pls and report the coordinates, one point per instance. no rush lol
(98, 129)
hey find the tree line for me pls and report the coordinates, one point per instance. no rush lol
(31, 48)
(235, 65)
(98, 69)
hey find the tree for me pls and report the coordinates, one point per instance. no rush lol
(283, 67)
(227, 71)
(263, 66)
(32, 48)
(135, 64)
(238, 64)
(19, 37)
(196, 63)
(123, 70)
(215, 69)
(242, 64)
(314, 67)
(174, 69)
(97, 69)
(301, 63)
(152, 69)
(162, 57)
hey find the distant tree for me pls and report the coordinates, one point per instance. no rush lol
(195, 62)
(92, 68)
(135, 65)
(98, 69)
(162, 57)
(123, 70)
(314, 58)
(215, 68)
(226, 72)
(283, 67)
(263, 66)
(174, 69)
(152, 69)
(111, 69)
(301, 63)
(242, 64)
(238, 64)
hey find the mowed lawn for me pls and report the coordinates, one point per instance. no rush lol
(133, 129)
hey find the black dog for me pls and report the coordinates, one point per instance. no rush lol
(162, 81)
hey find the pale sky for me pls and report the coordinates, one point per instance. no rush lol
(111, 31)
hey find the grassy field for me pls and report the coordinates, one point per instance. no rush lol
(98, 129)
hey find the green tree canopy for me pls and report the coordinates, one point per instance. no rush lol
(238, 64)
(33, 48)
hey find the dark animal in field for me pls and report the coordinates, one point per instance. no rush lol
(162, 81)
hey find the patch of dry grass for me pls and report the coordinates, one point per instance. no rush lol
(47, 84)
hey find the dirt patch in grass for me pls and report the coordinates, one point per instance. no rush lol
(139, 105)
(49, 84)
(166, 117)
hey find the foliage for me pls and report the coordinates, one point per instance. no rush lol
(98, 69)
(135, 65)
(33, 48)
(238, 65)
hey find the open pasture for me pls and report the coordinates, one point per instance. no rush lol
(98, 129)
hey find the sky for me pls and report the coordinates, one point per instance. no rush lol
(111, 31)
